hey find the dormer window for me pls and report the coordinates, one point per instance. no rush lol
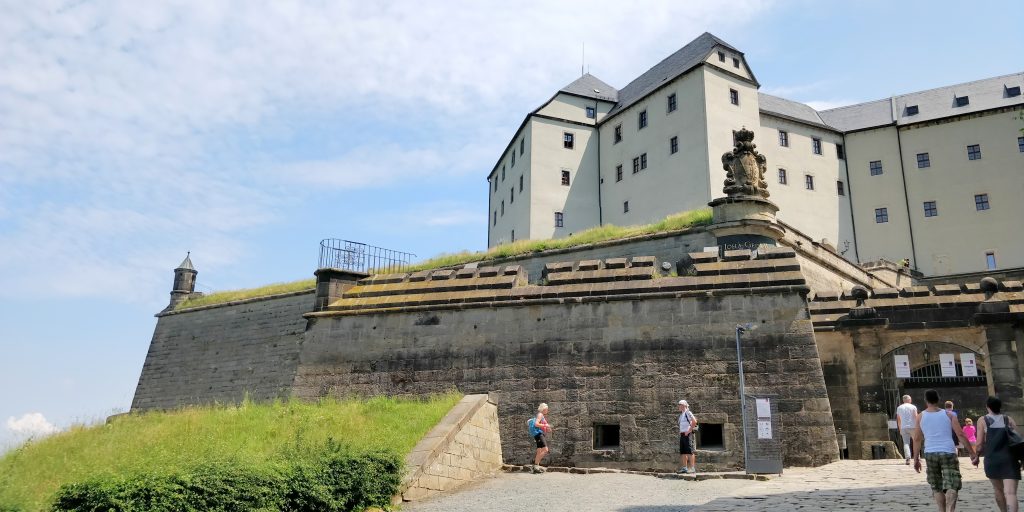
(721, 56)
(1012, 91)
(591, 113)
(735, 62)
(962, 101)
(912, 110)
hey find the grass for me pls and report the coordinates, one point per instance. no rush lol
(247, 293)
(248, 433)
(604, 233)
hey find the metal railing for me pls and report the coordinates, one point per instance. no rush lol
(359, 257)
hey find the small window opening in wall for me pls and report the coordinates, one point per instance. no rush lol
(912, 110)
(721, 56)
(735, 62)
(709, 437)
(990, 260)
(591, 113)
(1012, 91)
(606, 437)
(962, 101)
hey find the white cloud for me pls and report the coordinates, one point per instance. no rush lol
(32, 424)
(121, 121)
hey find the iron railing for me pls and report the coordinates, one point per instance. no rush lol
(359, 257)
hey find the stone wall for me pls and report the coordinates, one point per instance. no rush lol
(223, 353)
(603, 342)
(465, 446)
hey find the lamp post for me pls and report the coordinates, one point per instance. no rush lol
(740, 329)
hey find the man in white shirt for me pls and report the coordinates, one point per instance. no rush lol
(906, 419)
(687, 424)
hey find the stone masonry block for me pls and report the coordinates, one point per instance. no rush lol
(561, 266)
(422, 275)
(642, 261)
(439, 275)
(736, 255)
(615, 263)
(589, 265)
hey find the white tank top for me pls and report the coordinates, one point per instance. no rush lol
(938, 432)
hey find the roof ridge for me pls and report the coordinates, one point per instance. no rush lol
(951, 86)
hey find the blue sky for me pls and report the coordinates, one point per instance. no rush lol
(247, 131)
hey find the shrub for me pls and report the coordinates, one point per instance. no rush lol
(336, 480)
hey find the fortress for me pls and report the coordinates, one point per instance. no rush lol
(612, 334)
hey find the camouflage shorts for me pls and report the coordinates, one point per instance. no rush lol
(943, 471)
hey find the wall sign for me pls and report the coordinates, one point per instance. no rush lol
(902, 363)
(969, 364)
(948, 364)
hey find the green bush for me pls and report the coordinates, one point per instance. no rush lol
(337, 480)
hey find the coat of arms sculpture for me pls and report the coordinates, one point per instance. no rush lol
(745, 168)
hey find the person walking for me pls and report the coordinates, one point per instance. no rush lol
(539, 426)
(906, 421)
(933, 436)
(687, 426)
(949, 407)
(970, 432)
(1001, 467)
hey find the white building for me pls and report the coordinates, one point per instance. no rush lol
(931, 176)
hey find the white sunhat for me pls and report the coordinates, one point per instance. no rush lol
(684, 402)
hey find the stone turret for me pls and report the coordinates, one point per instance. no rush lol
(744, 218)
(184, 281)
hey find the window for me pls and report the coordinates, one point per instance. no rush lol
(565, 178)
(721, 56)
(962, 101)
(642, 120)
(1020, 144)
(974, 152)
(710, 437)
(495, 217)
(981, 202)
(734, 96)
(511, 195)
(618, 134)
(513, 235)
(1012, 91)
(930, 210)
(673, 145)
(558, 219)
(502, 177)
(513, 158)
(784, 138)
(591, 113)
(881, 215)
(502, 207)
(809, 182)
(567, 140)
(735, 62)
(520, 182)
(495, 183)
(606, 437)
(840, 188)
(625, 207)
(923, 160)
(782, 177)
(876, 167)
(990, 260)
(643, 161)
(840, 152)
(912, 110)
(816, 145)
(522, 146)
(672, 102)
(618, 172)
(636, 165)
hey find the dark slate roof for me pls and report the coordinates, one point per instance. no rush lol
(592, 87)
(789, 109)
(932, 104)
(683, 60)
(186, 264)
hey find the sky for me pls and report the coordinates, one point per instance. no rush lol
(247, 131)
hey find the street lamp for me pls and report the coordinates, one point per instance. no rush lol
(740, 329)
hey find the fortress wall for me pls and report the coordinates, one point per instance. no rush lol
(223, 353)
(620, 352)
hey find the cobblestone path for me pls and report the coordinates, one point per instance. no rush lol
(886, 485)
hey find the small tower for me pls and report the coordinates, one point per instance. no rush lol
(184, 281)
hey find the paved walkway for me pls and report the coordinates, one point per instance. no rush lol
(846, 485)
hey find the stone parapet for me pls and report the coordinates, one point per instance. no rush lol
(738, 271)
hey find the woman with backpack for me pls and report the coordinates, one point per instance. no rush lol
(538, 427)
(1001, 466)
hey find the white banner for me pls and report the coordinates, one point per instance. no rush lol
(764, 429)
(902, 366)
(948, 364)
(969, 364)
(764, 408)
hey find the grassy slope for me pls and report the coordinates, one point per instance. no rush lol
(604, 233)
(248, 433)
